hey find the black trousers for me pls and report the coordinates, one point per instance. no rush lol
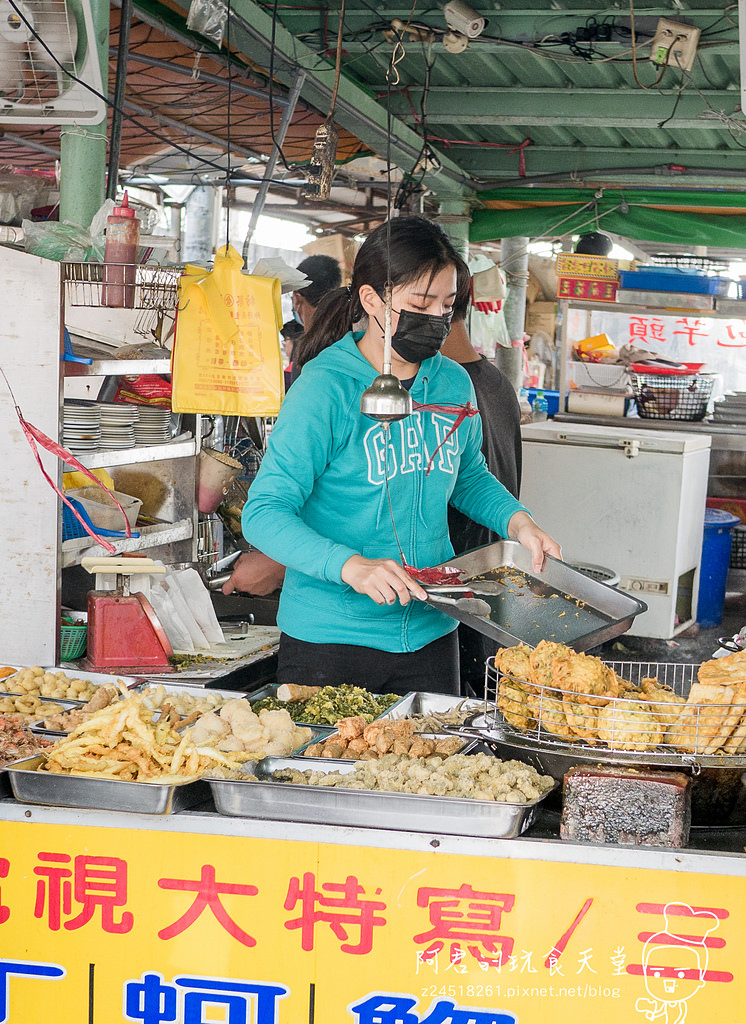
(434, 668)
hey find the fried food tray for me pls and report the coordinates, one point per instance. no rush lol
(420, 703)
(32, 786)
(282, 801)
(559, 603)
(270, 690)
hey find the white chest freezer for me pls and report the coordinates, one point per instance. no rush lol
(630, 500)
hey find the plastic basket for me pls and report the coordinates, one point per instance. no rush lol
(598, 375)
(73, 641)
(661, 397)
(738, 548)
(72, 529)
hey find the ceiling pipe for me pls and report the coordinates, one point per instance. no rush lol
(120, 83)
(204, 76)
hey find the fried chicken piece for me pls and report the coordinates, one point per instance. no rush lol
(402, 745)
(357, 745)
(401, 727)
(422, 746)
(581, 718)
(385, 740)
(550, 715)
(315, 750)
(512, 702)
(663, 702)
(372, 732)
(545, 661)
(515, 662)
(448, 746)
(333, 749)
(629, 725)
(350, 728)
(586, 676)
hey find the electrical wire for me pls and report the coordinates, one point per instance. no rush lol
(133, 120)
(228, 190)
(271, 84)
(338, 62)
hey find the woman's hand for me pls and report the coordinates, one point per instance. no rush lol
(523, 529)
(382, 579)
(255, 573)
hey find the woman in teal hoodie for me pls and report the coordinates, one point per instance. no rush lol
(320, 502)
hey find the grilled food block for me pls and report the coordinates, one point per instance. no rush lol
(626, 807)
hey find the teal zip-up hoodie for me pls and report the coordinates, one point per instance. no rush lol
(320, 497)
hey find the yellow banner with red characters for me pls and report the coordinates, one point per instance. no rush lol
(102, 925)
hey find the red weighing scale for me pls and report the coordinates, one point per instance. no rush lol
(124, 633)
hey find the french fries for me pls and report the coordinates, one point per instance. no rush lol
(124, 742)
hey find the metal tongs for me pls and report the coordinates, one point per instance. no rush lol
(470, 605)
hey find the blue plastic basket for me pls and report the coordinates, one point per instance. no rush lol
(71, 528)
(671, 279)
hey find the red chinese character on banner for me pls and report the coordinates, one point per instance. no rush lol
(691, 331)
(737, 338)
(339, 912)
(468, 915)
(92, 882)
(4, 869)
(646, 329)
(208, 895)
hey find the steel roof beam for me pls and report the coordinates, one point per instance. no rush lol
(580, 108)
(357, 110)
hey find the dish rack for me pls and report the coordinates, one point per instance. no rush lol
(668, 397)
(155, 287)
(656, 730)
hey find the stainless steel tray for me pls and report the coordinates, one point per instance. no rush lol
(32, 786)
(330, 733)
(364, 808)
(191, 690)
(419, 703)
(270, 690)
(559, 603)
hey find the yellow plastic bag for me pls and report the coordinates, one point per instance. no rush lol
(71, 480)
(226, 357)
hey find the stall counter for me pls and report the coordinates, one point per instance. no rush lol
(196, 917)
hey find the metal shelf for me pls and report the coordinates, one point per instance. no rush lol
(116, 367)
(150, 537)
(182, 447)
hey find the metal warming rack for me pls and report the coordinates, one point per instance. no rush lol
(537, 732)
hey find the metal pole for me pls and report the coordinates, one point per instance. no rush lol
(269, 170)
(514, 262)
(115, 138)
(83, 150)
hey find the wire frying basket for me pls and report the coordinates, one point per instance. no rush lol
(637, 711)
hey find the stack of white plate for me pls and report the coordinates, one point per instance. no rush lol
(81, 426)
(153, 425)
(118, 420)
(731, 409)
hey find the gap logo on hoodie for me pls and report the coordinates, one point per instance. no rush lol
(403, 444)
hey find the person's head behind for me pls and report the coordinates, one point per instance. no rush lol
(419, 250)
(325, 275)
(594, 243)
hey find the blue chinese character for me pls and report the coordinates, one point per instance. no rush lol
(214, 991)
(22, 968)
(150, 1001)
(446, 1012)
(384, 1008)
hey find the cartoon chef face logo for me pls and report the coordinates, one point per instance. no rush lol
(674, 965)
(673, 973)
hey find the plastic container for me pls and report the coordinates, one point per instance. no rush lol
(552, 398)
(671, 279)
(716, 548)
(120, 256)
(525, 406)
(102, 511)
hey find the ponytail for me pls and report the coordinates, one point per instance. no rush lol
(331, 321)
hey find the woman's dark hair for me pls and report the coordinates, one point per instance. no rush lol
(418, 248)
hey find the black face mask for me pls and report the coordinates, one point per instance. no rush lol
(419, 336)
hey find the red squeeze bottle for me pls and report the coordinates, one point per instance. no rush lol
(120, 256)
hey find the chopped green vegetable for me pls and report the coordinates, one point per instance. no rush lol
(332, 703)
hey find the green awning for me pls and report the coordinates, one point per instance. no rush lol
(655, 215)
